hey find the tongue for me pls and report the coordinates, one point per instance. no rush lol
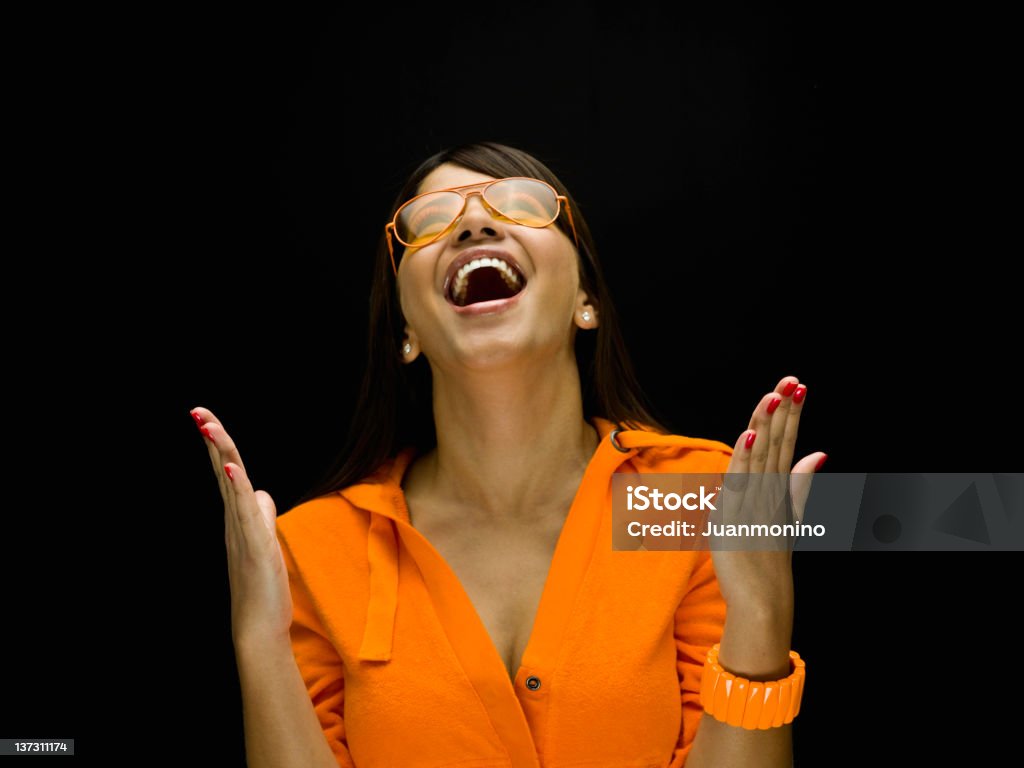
(486, 284)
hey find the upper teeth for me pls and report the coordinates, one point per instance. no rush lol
(462, 276)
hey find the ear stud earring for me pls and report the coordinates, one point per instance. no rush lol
(586, 317)
(407, 348)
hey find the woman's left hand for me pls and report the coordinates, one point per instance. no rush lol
(757, 584)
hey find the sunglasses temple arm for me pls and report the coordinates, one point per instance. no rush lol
(391, 248)
(568, 212)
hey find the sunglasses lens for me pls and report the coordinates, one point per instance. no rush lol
(426, 217)
(524, 201)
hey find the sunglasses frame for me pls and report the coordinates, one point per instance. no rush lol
(392, 227)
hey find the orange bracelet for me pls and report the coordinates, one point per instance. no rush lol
(751, 704)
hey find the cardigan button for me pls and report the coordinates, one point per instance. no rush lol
(533, 682)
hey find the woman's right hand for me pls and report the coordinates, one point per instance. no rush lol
(261, 602)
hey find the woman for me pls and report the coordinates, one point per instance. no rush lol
(448, 597)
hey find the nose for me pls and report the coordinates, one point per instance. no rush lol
(478, 221)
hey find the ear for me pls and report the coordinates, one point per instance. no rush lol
(409, 349)
(585, 315)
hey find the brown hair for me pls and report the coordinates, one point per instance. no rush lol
(395, 407)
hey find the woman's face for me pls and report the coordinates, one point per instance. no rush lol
(491, 321)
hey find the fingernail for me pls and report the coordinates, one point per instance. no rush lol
(751, 436)
(788, 390)
(798, 395)
(206, 433)
(774, 404)
(227, 469)
(198, 419)
(821, 462)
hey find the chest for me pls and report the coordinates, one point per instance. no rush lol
(503, 567)
(608, 665)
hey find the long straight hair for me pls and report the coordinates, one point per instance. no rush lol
(395, 407)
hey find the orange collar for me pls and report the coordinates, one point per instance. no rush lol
(381, 495)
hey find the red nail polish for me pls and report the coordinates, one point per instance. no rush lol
(798, 395)
(750, 440)
(198, 419)
(206, 433)
(821, 462)
(774, 404)
(788, 389)
(227, 468)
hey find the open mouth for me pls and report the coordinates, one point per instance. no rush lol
(486, 279)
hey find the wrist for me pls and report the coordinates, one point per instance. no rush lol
(756, 645)
(761, 612)
(774, 600)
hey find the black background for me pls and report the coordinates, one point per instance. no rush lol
(773, 190)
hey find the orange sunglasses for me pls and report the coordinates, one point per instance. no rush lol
(425, 218)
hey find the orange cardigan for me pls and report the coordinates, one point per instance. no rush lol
(402, 672)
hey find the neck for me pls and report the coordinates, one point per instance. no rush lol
(511, 442)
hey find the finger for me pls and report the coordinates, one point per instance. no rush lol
(786, 386)
(784, 425)
(227, 453)
(740, 461)
(215, 462)
(787, 449)
(782, 446)
(737, 475)
(204, 420)
(251, 521)
(778, 409)
(268, 509)
(760, 423)
(801, 479)
(219, 437)
(232, 531)
(204, 416)
(209, 427)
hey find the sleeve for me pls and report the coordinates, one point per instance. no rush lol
(699, 622)
(322, 669)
